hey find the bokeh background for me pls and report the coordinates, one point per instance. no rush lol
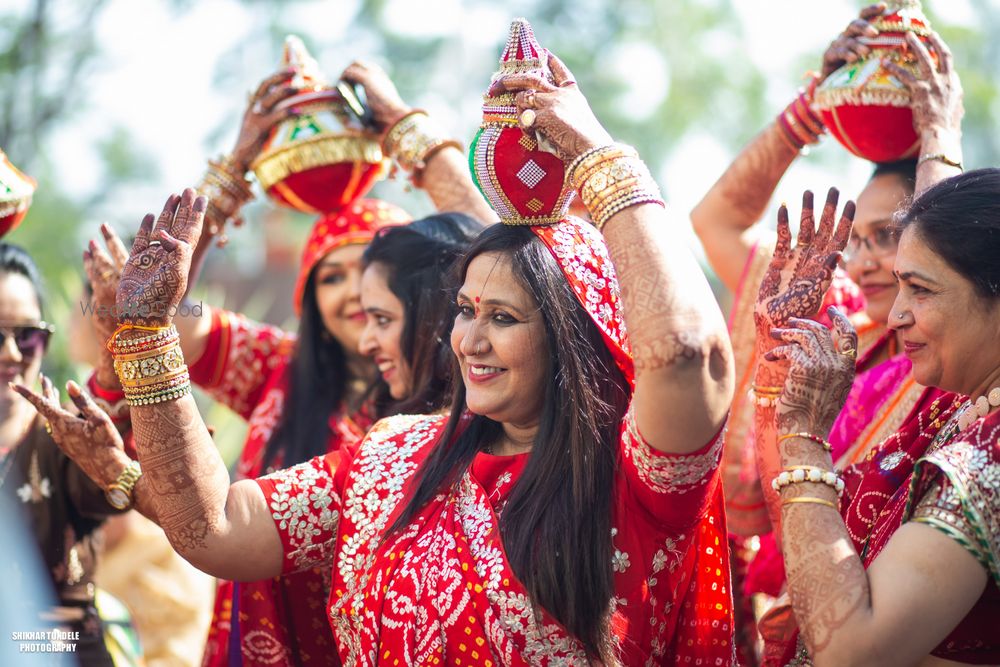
(113, 104)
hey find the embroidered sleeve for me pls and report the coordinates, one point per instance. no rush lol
(239, 359)
(676, 489)
(941, 508)
(305, 507)
(967, 505)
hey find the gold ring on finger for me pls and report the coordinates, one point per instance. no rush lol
(529, 98)
(527, 118)
(851, 353)
(48, 428)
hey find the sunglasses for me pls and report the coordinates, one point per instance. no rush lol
(30, 339)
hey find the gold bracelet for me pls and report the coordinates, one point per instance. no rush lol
(170, 395)
(611, 179)
(812, 501)
(413, 140)
(589, 161)
(762, 398)
(159, 364)
(941, 157)
(157, 339)
(227, 191)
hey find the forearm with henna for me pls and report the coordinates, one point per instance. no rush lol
(827, 582)
(740, 197)
(670, 312)
(677, 332)
(186, 477)
(447, 182)
(738, 200)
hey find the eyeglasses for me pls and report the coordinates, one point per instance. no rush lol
(30, 339)
(879, 244)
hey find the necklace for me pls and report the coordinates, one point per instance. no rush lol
(979, 408)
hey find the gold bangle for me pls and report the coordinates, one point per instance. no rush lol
(611, 179)
(807, 436)
(942, 158)
(226, 189)
(812, 501)
(413, 140)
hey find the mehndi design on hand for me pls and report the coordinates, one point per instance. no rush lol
(155, 276)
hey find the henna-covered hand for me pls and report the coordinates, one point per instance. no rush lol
(264, 111)
(89, 439)
(848, 47)
(936, 95)
(104, 269)
(155, 276)
(563, 117)
(384, 101)
(820, 374)
(797, 278)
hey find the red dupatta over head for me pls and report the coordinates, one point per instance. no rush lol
(355, 224)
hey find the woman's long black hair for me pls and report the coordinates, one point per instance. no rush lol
(317, 377)
(418, 259)
(556, 525)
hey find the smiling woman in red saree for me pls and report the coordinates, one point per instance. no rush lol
(908, 571)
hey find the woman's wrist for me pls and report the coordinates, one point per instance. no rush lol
(798, 124)
(227, 189)
(413, 140)
(611, 178)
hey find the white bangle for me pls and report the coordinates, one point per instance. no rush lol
(801, 474)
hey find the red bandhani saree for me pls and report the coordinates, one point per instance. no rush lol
(441, 591)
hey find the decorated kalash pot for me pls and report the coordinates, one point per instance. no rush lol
(15, 195)
(323, 157)
(862, 104)
(523, 183)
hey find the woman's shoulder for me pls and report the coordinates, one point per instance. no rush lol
(400, 425)
(401, 436)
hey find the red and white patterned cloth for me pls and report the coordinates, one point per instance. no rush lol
(441, 591)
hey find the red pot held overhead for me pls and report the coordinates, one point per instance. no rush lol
(523, 183)
(862, 104)
(321, 159)
(15, 195)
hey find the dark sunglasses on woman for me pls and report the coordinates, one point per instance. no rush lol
(30, 339)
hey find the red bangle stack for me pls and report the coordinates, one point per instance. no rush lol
(799, 124)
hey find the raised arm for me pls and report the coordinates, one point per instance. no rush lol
(936, 100)
(725, 219)
(210, 523)
(683, 360)
(792, 289)
(104, 270)
(436, 164)
(920, 586)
